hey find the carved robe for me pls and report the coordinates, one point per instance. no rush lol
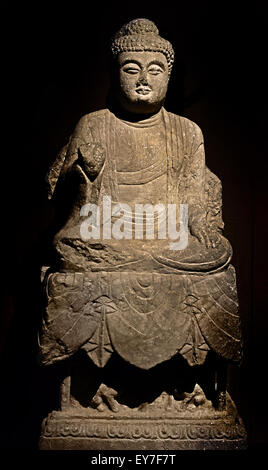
(138, 297)
(159, 161)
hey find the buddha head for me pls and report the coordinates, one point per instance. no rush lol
(143, 63)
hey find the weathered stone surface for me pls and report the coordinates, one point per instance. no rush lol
(161, 300)
(145, 318)
(191, 429)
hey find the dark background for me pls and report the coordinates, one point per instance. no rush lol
(54, 70)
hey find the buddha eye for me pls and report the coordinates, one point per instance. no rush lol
(155, 70)
(131, 70)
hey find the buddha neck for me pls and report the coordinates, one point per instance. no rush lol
(148, 121)
(133, 119)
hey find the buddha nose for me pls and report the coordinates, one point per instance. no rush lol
(143, 80)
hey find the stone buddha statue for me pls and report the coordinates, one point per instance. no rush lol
(121, 289)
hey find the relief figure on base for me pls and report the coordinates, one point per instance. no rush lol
(140, 306)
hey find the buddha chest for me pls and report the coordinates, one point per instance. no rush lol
(141, 162)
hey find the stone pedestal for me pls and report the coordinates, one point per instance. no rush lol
(149, 429)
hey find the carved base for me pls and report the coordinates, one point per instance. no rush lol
(74, 429)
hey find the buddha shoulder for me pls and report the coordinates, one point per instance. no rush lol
(89, 122)
(186, 127)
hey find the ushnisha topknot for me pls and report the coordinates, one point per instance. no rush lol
(141, 35)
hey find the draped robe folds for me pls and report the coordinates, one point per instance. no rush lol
(138, 297)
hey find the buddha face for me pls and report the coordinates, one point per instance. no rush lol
(143, 81)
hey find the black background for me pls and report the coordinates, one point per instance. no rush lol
(54, 70)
